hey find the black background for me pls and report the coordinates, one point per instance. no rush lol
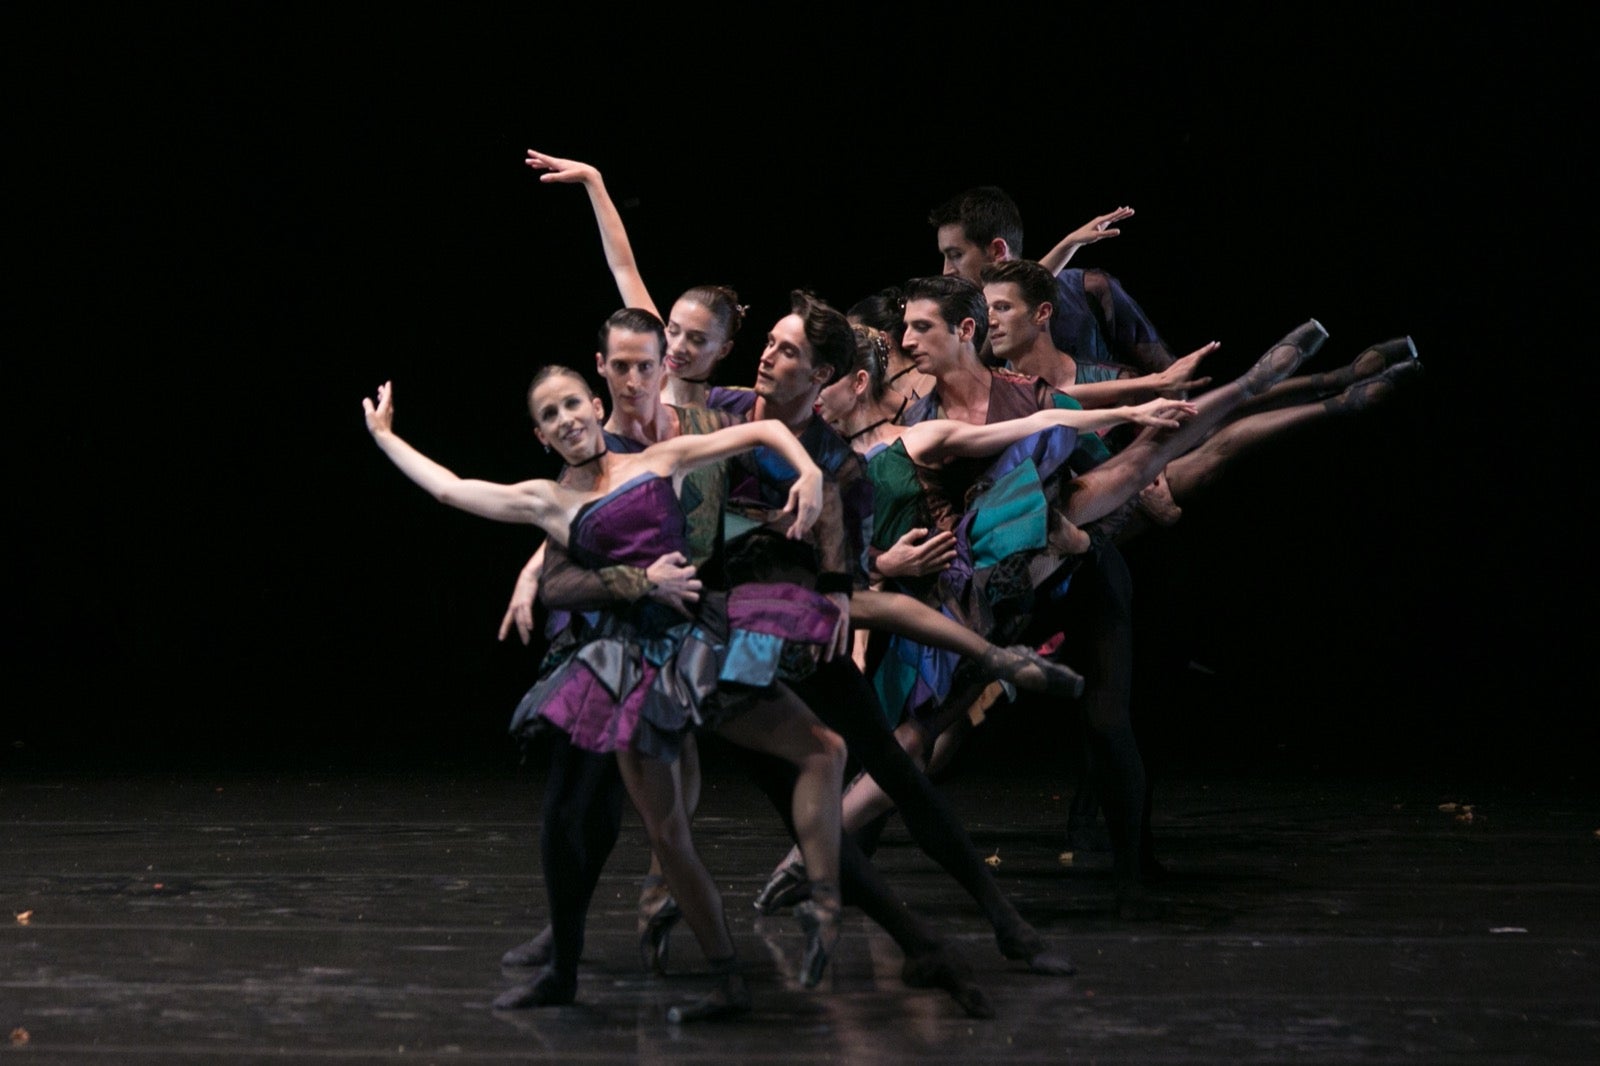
(227, 225)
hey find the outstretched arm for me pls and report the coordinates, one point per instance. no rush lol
(613, 234)
(533, 502)
(684, 453)
(941, 440)
(1176, 380)
(1096, 229)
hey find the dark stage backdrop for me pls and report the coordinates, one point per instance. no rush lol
(227, 225)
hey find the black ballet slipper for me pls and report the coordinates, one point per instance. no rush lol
(821, 918)
(530, 953)
(1283, 358)
(729, 998)
(787, 886)
(658, 913)
(547, 989)
(944, 968)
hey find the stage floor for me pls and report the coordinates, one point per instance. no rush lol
(357, 917)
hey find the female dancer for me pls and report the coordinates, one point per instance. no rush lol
(702, 322)
(642, 724)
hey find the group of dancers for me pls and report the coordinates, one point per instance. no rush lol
(913, 512)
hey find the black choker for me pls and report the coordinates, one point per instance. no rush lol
(601, 454)
(909, 368)
(892, 418)
(696, 381)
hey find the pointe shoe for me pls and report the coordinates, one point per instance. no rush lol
(1283, 358)
(944, 968)
(1032, 672)
(729, 999)
(821, 918)
(530, 953)
(658, 913)
(787, 886)
(1381, 356)
(547, 989)
(1378, 387)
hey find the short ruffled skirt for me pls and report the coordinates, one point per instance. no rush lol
(641, 678)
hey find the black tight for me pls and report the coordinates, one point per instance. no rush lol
(1096, 615)
(582, 819)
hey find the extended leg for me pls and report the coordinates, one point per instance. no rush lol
(845, 702)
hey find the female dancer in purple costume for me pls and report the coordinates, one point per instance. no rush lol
(568, 417)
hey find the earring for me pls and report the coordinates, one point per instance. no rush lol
(547, 449)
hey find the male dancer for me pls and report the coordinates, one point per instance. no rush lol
(1096, 321)
(805, 351)
(946, 321)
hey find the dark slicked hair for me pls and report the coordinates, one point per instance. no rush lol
(552, 370)
(984, 213)
(1036, 284)
(833, 343)
(957, 298)
(883, 310)
(723, 303)
(634, 320)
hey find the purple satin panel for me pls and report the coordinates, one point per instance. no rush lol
(787, 611)
(632, 525)
(595, 719)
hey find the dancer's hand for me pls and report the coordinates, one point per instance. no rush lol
(565, 171)
(674, 582)
(840, 644)
(380, 416)
(1178, 379)
(1163, 414)
(805, 503)
(1096, 229)
(916, 554)
(519, 612)
(1099, 228)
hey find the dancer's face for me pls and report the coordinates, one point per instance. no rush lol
(837, 402)
(567, 417)
(787, 372)
(929, 340)
(960, 255)
(696, 342)
(631, 367)
(1013, 325)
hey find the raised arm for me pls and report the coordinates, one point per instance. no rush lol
(1096, 229)
(540, 503)
(613, 234)
(941, 440)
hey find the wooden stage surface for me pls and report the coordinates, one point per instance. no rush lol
(360, 917)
